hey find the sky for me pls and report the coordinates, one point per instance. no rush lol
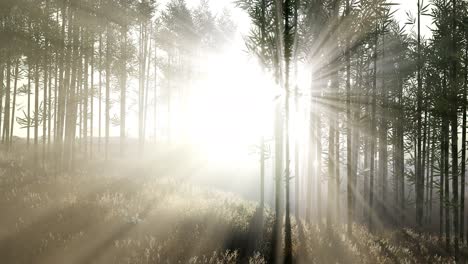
(242, 19)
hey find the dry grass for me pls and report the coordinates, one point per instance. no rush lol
(115, 214)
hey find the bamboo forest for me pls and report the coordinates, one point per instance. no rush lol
(233, 131)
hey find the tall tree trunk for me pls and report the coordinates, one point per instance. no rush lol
(147, 76)
(15, 85)
(312, 165)
(2, 92)
(141, 90)
(155, 95)
(331, 162)
(446, 167)
(108, 73)
(349, 132)
(85, 96)
(92, 94)
(288, 43)
(383, 130)
(44, 100)
(36, 111)
(463, 156)
(442, 180)
(123, 89)
(6, 123)
(419, 172)
(454, 126)
(373, 134)
(28, 136)
(100, 93)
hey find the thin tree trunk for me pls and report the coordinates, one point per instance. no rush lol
(419, 173)
(2, 92)
(15, 85)
(28, 136)
(454, 126)
(108, 73)
(85, 97)
(463, 157)
(6, 123)
(349, 133)
(91, 121)
(373, 134)
(100, 93)
(123, 89)
(155, 96)
(446, 169)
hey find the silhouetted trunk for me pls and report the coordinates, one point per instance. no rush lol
(141, 89)
(446, 139)
(147, 76)
(2, 92)
(331, 160)
(123, 88)
(108, 73)
(100, 93)
(431, 180)
(288, 46)
(312, 164)
(372, 135)
(349, 134)
(36, 111)
(383, 131)
(15, 85)
(155, 91)
(92, 94)
(442, 180)
(28, 129)
(85, 96)
(6, 123)
(463, 155)
(44, 99)
(454, 126)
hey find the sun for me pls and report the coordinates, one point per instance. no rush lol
(232, 108)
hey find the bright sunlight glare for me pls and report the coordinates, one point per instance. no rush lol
(227, 116)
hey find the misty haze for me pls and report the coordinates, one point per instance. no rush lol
(233, 131)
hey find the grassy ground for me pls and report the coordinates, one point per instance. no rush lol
(121, 213)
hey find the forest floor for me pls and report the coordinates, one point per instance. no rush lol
(140, 213)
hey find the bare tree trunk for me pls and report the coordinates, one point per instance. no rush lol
(383, 131)
(312, 154)
(442, 182)
(331, 184)
(463, 157)
(2, 76)
(146, 94)
(108, 73)
(15, 85)
(155, 96)
(100, 92)
(446, 168)
(141, 90)
(419, 175)
(91, 121)
(28, 136)
(123, 89)
(349, 133)
(6, 123)
(36, 111)
(85, 96)
(49, 107)
(372, 135)
(44, 100)
(454, 126)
